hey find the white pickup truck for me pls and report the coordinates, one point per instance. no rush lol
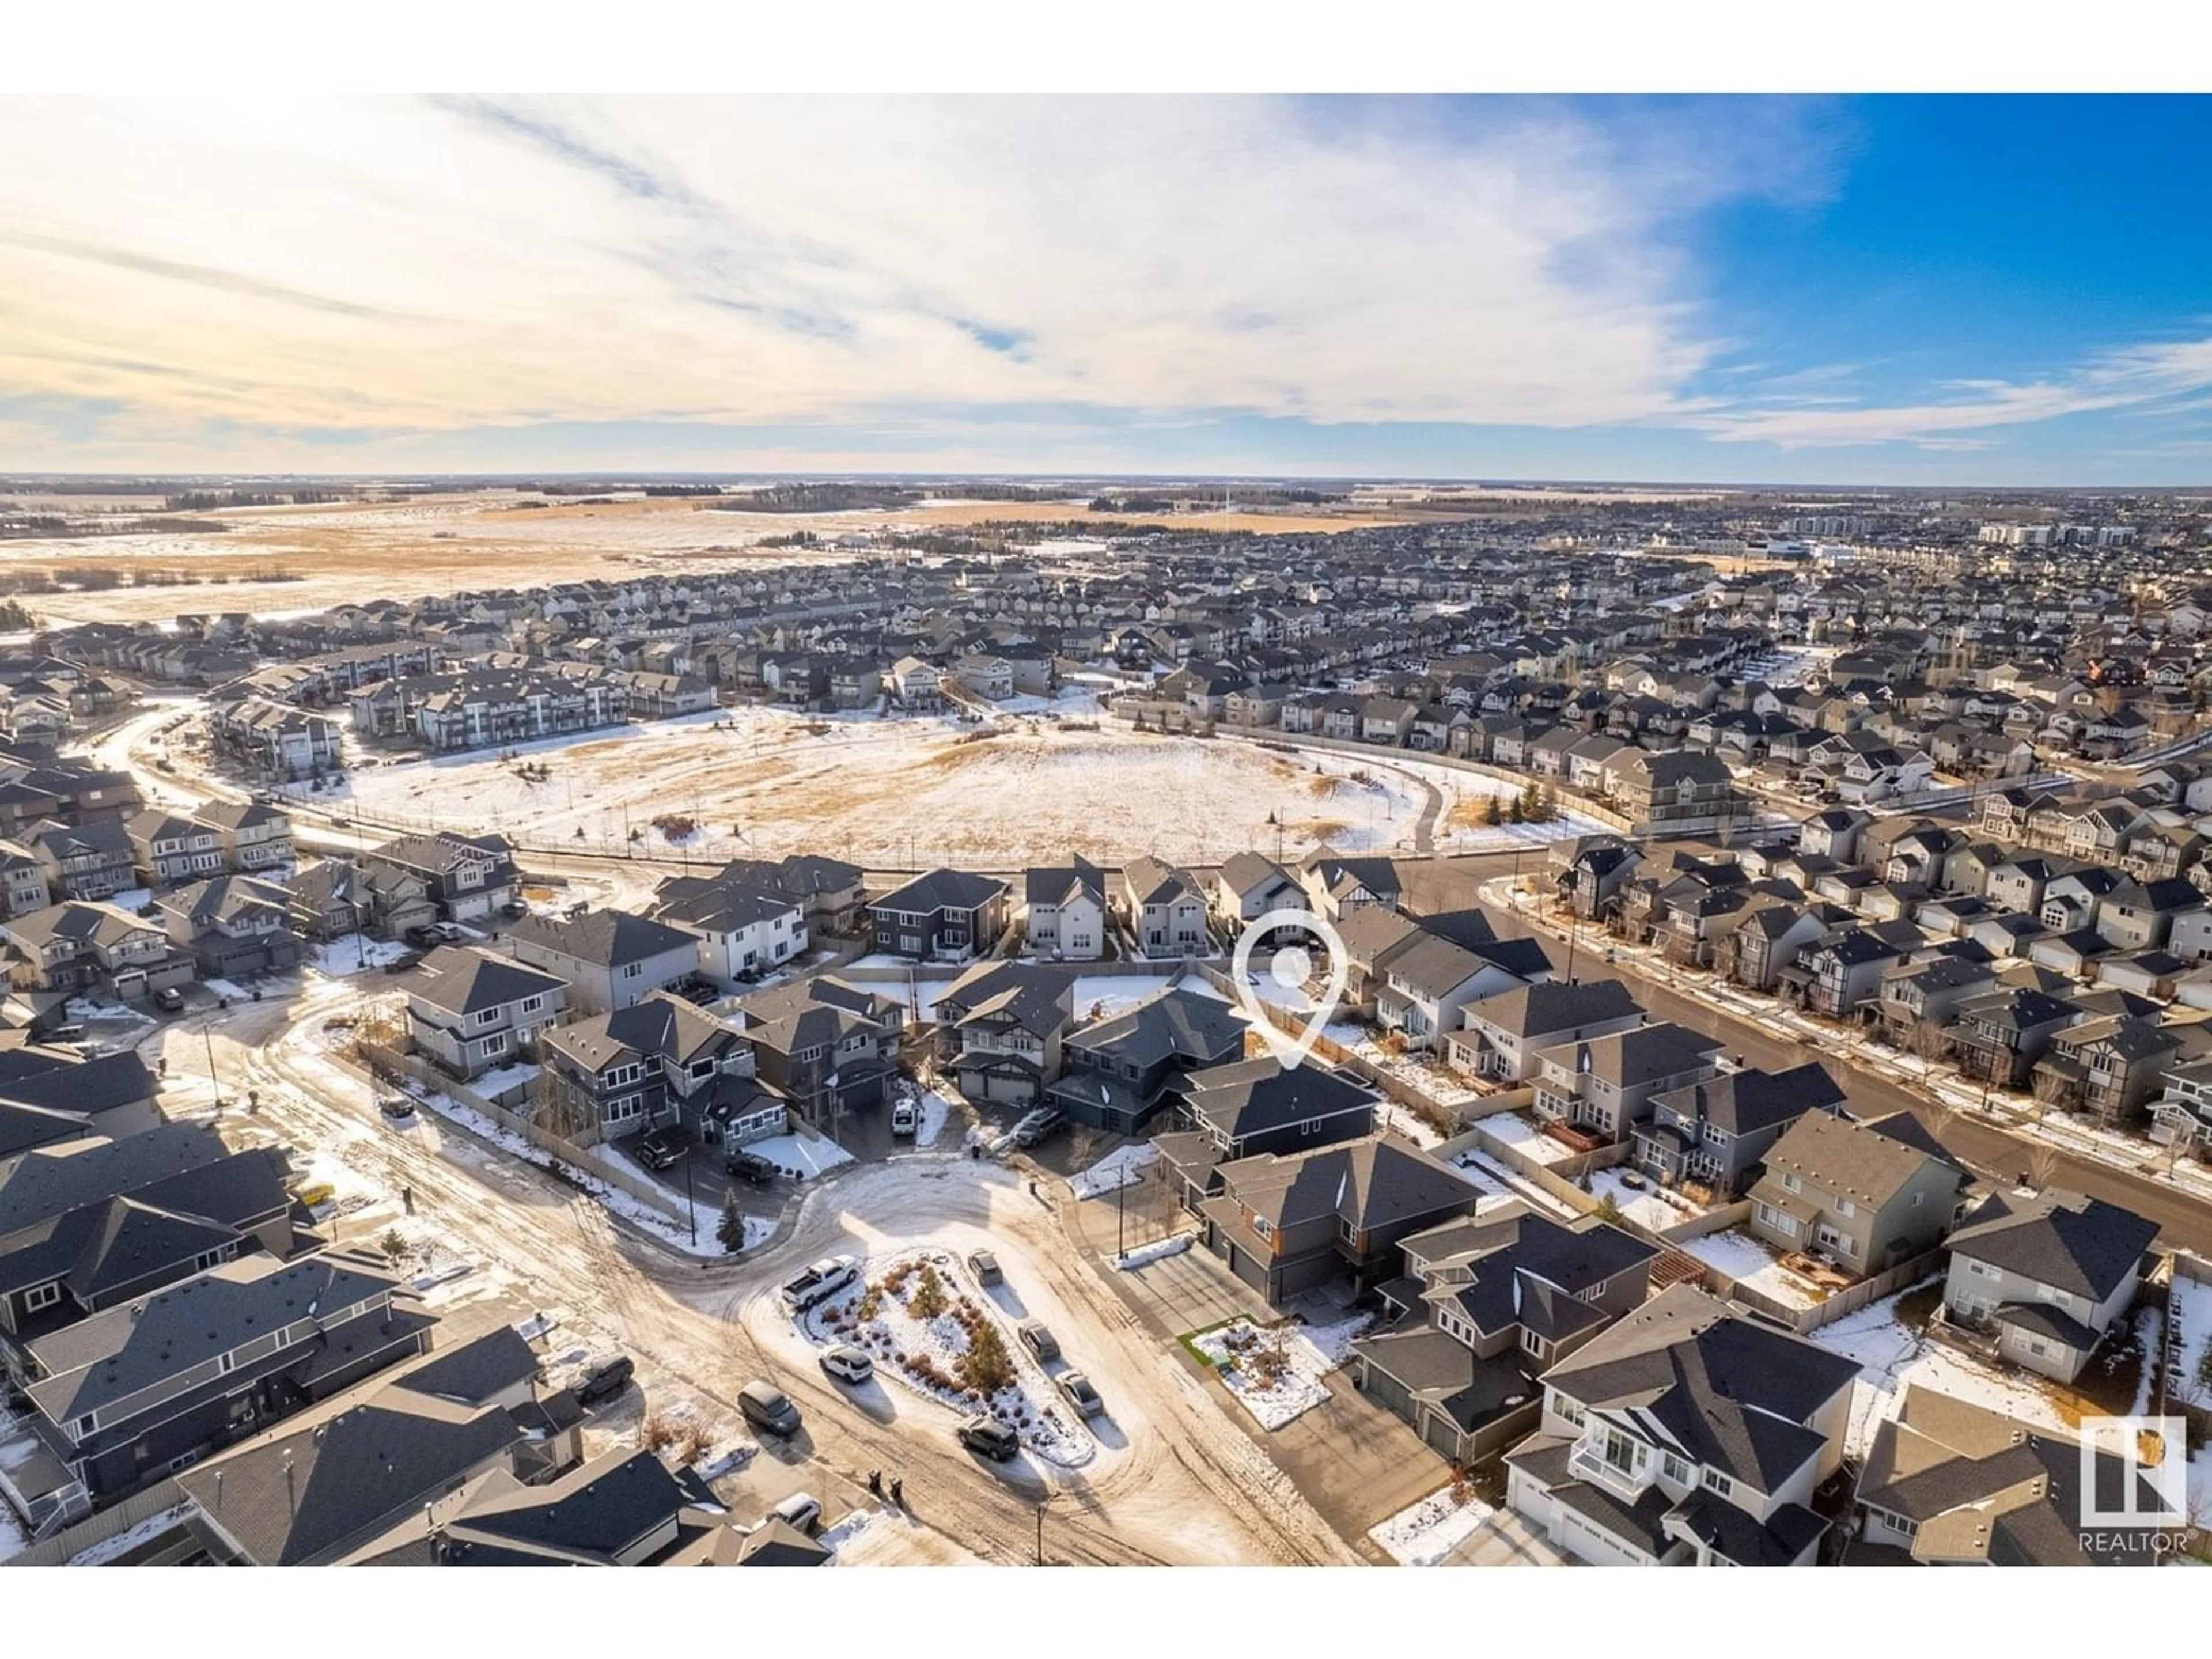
(821, 1281)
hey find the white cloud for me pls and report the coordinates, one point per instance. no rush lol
(380, 266)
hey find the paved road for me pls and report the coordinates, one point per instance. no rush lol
(1985, 1148)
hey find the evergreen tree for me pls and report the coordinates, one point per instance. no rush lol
(732, 1232)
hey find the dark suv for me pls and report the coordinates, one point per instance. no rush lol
(662, 1149)
(605, 1377)
(750, 1168)
(990, 1438)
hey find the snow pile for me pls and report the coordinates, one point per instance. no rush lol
(801, 1155)
(1526, 1137)
(12, 1540)
(1158, 1250)
(1644, 1204)
(1891, 1356)
(924, 1351)
(855, 1522)
(723, 1460)
(1122, 1167)
(1747, 1261)
(1106, 995)
(1276, 1373)
(1424, 1534)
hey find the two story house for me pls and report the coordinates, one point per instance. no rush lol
(1715, 1134)
(1864, 1196)
(661, 1061)
(472, 1011)
(1121, 1067)
(1066, 912)
(946, 913)
(1603, 1086)
(2048, 1274)
(999, 1027)
(1501, 1036)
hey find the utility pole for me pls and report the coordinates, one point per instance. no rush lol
(1041, 1502)
(207, 1035)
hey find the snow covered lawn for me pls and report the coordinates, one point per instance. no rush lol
(1422, 1534)
(1644, 1204)
(1494, 1187)
(1276, 1373)
(1108, 994)
(1122, 1167)
(1747, 1261)
(1430, 1075)
(1892, 1355)
(801, 1155)
(930, 1349)
(1526, 1137)
(343, 956)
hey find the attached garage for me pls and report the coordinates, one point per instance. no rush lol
(1252, 1269)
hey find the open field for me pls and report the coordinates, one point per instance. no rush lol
(894, 793)
(351, 552)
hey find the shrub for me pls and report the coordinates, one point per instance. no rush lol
(929, 1298)
(657, 1433)
(987, 1366)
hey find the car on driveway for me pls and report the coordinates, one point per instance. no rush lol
(605, 1377)
(663, 1149)
(985, 1267)
(989, 1438)
(1038, 1339)
(802, 1509)
(848, 1364)
(1038, 1126)
(906, 1118)
(768, 1408)
(750, 1168)
(1080, 1394)
(169, 999)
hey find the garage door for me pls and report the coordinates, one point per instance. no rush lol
(1593, 1545)
(1249, 1268)
(1442, 1435)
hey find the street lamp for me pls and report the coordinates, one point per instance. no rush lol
(1041, 1503)
(215, 1081)
(1121, 1214)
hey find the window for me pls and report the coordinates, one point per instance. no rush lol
(42, 1296)
(1790, 1183)
(496, 1044)
(225, 1363)
(485, 1015)
(1718, 1484)
(531, 1005)
(1674, 1469)
(1262, 1226)
(2053, 1295)
(632, 970)
(83, 1427)
(1980, 1269)
(1566, 1409)
(1784, 1224)
(1845, 1207)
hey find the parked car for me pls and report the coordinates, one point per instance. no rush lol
(398, 1109)
(750, 1168)
(768, 1408)
(802, 1509)
(1039, 1125)
(66, 1034)
(822, 1281)
(985, 1267)
(403, 962)
(990, 1438)
(848, 1364)
(169, 999)
(906, 1118)
(1080, 1394)
(699, 995)
(605, 1377)
(663, 1149)
(427, 933)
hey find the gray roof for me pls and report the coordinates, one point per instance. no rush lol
(462, 979)
(2068, 1239)
(1746, 1102)
(1538, 1010)
(605, 938)
(1175, 1023)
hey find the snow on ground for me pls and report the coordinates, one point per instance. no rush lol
(1276, 1373)
(1158, 1250)
(344, 955)
(1495, 1186)
(1645, 1204)
(936, 1108)
(13, 1540)
(1748, 1262)
(1122, 1167)
(923, 1353)
(1524, 1134)
(847, 1531)
(803, 1155)
(666, 1227)
(1107, 994)
(228, 988)
(1892, 1356)
(1422, 1071)
(1424, 1534)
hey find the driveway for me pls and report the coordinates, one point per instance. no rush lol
(1506, 1540)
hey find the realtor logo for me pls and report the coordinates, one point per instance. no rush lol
(2152, 1492)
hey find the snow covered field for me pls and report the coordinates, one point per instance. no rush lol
(924, 1350)
(1892, 1356)
(1424, 1534)
(1276, 1373)
(1748, 1262)
(908, 792)
(1522, 1134)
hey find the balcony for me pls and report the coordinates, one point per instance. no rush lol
(1587, 1461)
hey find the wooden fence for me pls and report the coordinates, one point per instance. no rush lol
(74, 1541)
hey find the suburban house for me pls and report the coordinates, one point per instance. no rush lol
(1714, 1135)
(74, 946)
(828, 890)
(744, 927)
(1500, 1036)
(1686, 1434)
(1249, 1106)
(50, 1095)
(1000, 1026)
(88, 861)
(1336, 884)
(1066, 912)
(656, 1061)
(255, 836)
(944, 914)
(1603, 1086)
(468, 878)
(1949, 1483)
(233, 927)
(1165, 909)
(1864, 1196)
(2049, 1275)
(1487, 1303)
(1288, 1222)
(1248, 886)
(472, 1011)
(1426, 981)
(1121, 1067)
(169, 848)
(142, 1389)
(609, 959)
(824, 1045)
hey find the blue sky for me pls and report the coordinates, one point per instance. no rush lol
(1924, 290)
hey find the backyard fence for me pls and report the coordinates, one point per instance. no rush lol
(74, 1541)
